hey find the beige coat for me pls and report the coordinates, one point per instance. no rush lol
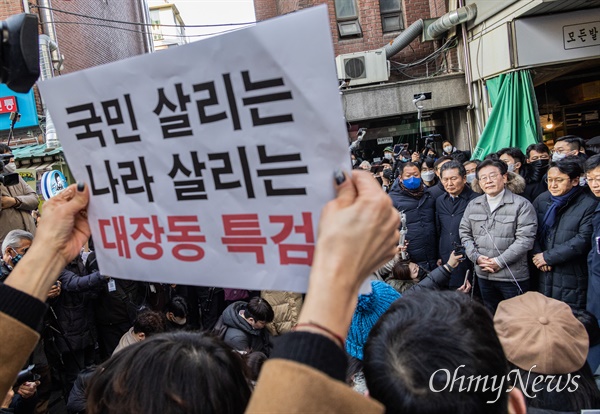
(286, 306)
(18, 217)
(291, 387)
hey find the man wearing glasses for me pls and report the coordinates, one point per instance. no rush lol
(497, 230)
(17, 202)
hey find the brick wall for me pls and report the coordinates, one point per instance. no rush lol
(84, 45)
(265, 9)
(370, 21)
(10, 7)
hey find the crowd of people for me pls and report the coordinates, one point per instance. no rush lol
(489, 304)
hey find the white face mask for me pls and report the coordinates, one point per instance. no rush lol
(471, 177)
(428, 175)
(448, 148)
(387, 156)
(557, 157)
(582, 181)
(511, 167)
(11, 167)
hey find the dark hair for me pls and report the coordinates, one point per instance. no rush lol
(514, 152)
(590, 323)
(441, 160)
(569, 165)
(491, 156)
(454, 165)
(254, 362)
(501, 165)
(592, 163)
(550, 395)
(4, 149)
(475, 161)
(573, 140)
(178, 372)
(259, 309)
(407, 164)
(421, 341)
(429, 162)
(149, 322)
(401, 271)
(461, 156)
(539, 147)
(178, 306)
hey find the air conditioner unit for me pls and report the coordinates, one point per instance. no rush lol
(363, 68)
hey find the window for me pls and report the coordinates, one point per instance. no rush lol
(347, 18)
(156, 28)
(391, 15)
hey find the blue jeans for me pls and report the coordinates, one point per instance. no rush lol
(493, 292)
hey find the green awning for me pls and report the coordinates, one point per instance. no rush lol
(513, 121)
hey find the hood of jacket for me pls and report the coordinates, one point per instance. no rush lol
(232, 318)
(515, 183)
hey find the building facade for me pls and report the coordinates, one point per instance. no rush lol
(456, 66)
(168, 28)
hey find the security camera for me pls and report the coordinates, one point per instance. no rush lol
(419, 99)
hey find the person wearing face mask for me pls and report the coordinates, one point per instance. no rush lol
(535, 169)
(470, 169)
(410, 196)
(17, 202)
(176, 312)
(428, 173)
(13, 248)
(388, 153)
(567, 146)
(448, 148)
(564, 235)
(514, 159)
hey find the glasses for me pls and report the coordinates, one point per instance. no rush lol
(593, 180)
(561, 150)
(555, 180)
(490, 177)
(448, 179)
(540, 157)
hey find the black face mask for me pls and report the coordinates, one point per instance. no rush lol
(538, 169)
(422, 273)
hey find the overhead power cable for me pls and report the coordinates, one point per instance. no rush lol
(136, 23)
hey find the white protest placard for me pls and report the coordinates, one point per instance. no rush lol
(209, 163)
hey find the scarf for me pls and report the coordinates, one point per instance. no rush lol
(417, 193)
(557, 203)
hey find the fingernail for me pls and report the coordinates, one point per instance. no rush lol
(339, 176)
(80, 186)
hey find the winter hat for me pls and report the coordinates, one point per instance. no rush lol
(541, 334)
(388, 149)
(369, 309)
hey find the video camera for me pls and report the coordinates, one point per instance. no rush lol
(7, 179)
(19, 52)
(26, 375)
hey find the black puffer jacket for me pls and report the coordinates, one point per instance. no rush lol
(73, 308)
(565, 248)
(240, 335)
(420, 217)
